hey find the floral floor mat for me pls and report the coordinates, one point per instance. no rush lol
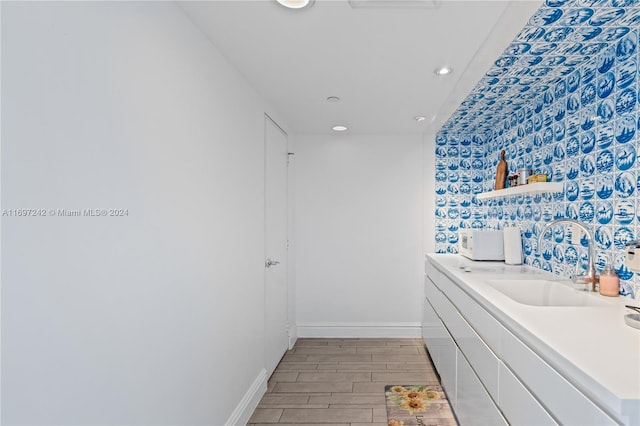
(409, 405)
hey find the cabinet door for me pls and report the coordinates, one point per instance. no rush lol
(474, 406)
(432, 333)
(518, 405)
(448, 354)
(441, 345)
(479, 355)
(431, 325)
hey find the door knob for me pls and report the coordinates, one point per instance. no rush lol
(269, 262)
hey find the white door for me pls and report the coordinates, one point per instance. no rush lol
(276, 340)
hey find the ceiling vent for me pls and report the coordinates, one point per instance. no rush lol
(395, 4)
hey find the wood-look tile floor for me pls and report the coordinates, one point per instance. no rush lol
(340, 382)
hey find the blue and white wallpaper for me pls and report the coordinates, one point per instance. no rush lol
(563, 99)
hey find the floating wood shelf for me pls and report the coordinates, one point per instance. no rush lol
(522, 189)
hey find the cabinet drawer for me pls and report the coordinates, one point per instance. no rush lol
(518, 405)
(431, 324)
(568, 405)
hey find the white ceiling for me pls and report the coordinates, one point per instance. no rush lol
(380, 61)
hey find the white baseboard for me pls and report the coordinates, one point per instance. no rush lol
(359, 329)
(249, 402)
(293, 336)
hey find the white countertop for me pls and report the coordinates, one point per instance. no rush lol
(591, 346)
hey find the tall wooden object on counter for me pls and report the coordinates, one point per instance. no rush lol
(501, 171)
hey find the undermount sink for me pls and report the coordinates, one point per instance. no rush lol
(544, 293)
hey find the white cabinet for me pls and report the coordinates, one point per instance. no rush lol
(496, 378)
(467, 393)
(433, 333)
(441, 346)
(517, 403)
(567, 403)
(474, 405)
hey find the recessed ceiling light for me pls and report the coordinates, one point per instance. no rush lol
(333, 99)
(443, 71)
(419, 118)
(339, 128)
(295, 4)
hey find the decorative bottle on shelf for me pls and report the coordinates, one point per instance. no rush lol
(501, 171)
(609, 281)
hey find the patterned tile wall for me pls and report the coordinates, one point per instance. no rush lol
(564, 100)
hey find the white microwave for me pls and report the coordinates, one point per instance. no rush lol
(481, 244)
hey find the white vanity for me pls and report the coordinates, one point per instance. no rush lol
(512, 345)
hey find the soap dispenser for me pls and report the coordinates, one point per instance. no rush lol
(609, 281)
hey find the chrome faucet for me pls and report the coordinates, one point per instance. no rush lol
(590, 276)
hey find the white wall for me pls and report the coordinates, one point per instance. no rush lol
(359, 230)
(156, 317)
